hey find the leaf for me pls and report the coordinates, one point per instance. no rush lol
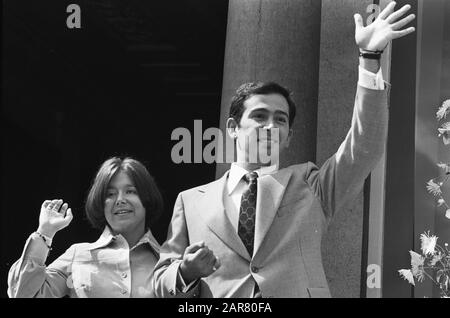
(446, 139)
(417, 261)
(436, 258)
(444, 131)
(443, 282)
(407, 275)
(439, 275)
(434, 188)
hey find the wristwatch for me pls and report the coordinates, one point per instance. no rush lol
(371, 55)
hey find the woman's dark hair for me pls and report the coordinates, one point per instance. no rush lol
(145, 186)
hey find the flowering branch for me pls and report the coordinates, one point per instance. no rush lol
(435, 184)
(435, 258)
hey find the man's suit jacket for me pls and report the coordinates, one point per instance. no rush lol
(294, 207)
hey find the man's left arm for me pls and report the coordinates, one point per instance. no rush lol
(341, 177)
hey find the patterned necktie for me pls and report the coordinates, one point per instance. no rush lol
(247, 212)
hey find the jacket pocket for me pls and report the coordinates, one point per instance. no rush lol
(81, 279)
(318, 292)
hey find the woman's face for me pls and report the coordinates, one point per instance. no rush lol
(124, 211)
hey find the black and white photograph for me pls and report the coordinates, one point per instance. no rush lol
(232, 149)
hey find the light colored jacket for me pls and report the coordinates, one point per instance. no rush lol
(105, 268)
(294, 207)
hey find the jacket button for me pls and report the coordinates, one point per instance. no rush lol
(124, 275)
(171, 292)
(254, 269)
(124, 291)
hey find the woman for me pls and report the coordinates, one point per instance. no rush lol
(123, 202)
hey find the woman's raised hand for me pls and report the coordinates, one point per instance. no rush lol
(54, 217)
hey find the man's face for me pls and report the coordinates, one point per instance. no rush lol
(263, 129)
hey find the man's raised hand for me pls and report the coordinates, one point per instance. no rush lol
(386, 27)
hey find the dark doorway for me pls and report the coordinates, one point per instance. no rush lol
(120, 85)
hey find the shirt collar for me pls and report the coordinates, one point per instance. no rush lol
(148, 238)
(104, 240)
(107, 237)
(237, 172)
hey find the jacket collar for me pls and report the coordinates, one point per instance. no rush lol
(211, 204)
(237, 172)
(107, 237)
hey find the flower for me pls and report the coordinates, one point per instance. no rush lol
(428, 243)
(434, 188)
(435, 259)
(434, 263)
(407, 275)
(444, 110)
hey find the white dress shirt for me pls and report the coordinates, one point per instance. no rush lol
(236, 186)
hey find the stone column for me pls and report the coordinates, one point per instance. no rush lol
(342, 246)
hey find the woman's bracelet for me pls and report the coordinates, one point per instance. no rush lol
(46, 239)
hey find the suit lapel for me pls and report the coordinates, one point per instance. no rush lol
(271, 189)
(211, 201)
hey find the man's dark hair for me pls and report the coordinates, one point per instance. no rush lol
(247, 90)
